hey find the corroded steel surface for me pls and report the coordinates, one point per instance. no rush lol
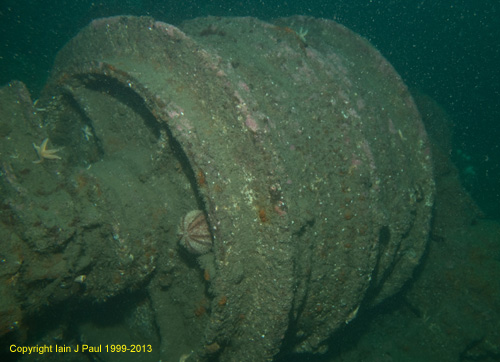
(296, 138)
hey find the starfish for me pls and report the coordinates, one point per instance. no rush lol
(87, 132)
(302, 34)
(43, 152)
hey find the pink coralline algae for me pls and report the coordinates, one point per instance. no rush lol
(251, 123)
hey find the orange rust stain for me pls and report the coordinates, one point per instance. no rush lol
(206, 275)
(111, 67)
(293, 33)
(201, 178)
(222, 301)
(348, 215)
(200, 311)
(81, 182)
(263, 215)
(285, 29)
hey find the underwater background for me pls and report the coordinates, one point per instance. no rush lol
(448, 50)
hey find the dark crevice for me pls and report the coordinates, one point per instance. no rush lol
(125, 95)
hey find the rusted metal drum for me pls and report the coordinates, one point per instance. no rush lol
(292, 151)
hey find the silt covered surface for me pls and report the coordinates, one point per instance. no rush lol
(296, 138)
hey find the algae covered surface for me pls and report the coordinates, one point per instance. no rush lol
(297, 140)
